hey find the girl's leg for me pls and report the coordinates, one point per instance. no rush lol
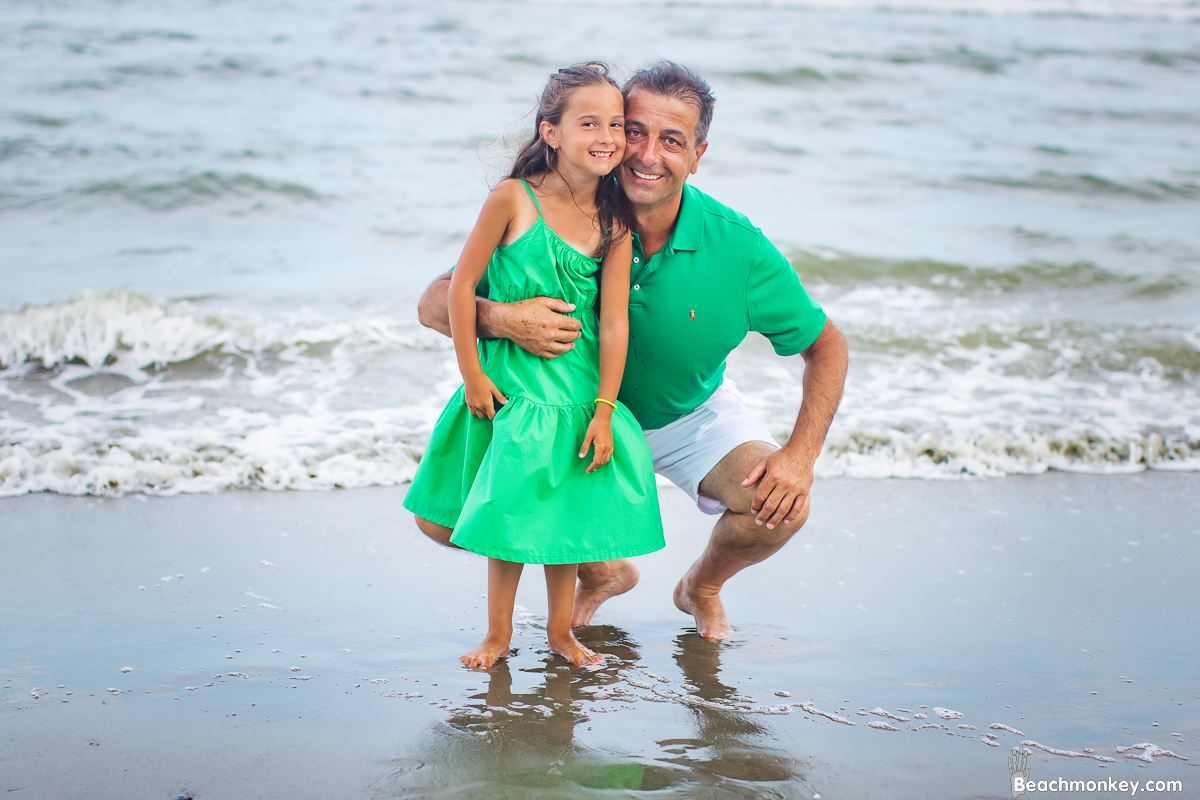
(503, 577)
(560, 590)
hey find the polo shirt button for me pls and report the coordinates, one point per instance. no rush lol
(637, 286)
(636, 259)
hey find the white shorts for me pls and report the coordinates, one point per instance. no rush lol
(687, 449)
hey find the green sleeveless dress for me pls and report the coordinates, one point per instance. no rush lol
(514, 488)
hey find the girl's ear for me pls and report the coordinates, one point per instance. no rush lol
(549, 133)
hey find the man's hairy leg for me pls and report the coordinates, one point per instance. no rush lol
(737, 541)
(598, 581)
(439, 533)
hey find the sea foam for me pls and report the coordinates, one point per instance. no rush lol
(111, 393)
(193, 401)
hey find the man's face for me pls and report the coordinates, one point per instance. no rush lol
(660, 150)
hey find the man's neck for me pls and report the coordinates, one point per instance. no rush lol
(656, 223)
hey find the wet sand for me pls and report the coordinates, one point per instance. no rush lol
(305, 645)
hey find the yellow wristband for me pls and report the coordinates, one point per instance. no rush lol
(606, 402)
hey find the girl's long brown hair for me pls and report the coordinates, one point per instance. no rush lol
(613, 213)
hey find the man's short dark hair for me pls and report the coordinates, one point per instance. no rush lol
(669, 79)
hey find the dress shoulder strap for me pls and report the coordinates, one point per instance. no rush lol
(532, 196)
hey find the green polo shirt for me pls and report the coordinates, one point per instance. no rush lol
(717, 278)
(690, 304)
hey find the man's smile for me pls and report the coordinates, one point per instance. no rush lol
(645, 176)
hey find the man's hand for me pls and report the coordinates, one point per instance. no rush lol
(538, 325)
(786, 476)
(784, 481)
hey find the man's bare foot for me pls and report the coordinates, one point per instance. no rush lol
(597, 583)
(705, 606)
(493, 648)
(569, 648)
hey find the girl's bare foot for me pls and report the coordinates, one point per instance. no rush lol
(569, 648)
(493, 648)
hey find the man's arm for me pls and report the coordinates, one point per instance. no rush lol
(786, 476)
(538, 325)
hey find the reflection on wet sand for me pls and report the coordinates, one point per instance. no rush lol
(727, 743)
(506, 743)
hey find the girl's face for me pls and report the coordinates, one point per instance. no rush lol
(590, 138)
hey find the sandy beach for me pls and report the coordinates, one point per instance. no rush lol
(304, 645)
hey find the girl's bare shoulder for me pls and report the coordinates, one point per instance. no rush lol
(505, 194)
(522, 213)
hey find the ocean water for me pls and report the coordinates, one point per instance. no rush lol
(216, 219)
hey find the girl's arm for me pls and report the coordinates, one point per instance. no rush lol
(614, 344)
(498, 212)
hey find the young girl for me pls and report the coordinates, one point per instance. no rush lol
(505, 465)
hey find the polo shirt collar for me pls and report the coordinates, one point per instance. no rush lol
(689, 228)
(688, 233)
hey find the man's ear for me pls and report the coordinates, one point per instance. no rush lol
(700, 148)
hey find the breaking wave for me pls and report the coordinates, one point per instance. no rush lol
(110, 393)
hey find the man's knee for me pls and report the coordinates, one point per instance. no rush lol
(744, 518)
(439, 533)
(781, 532)
(723, 482)
(801, 516)
(759, 541)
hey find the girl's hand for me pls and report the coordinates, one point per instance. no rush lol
(479, 393)
(599, 436)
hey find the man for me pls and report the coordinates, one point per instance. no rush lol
(702, 277)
